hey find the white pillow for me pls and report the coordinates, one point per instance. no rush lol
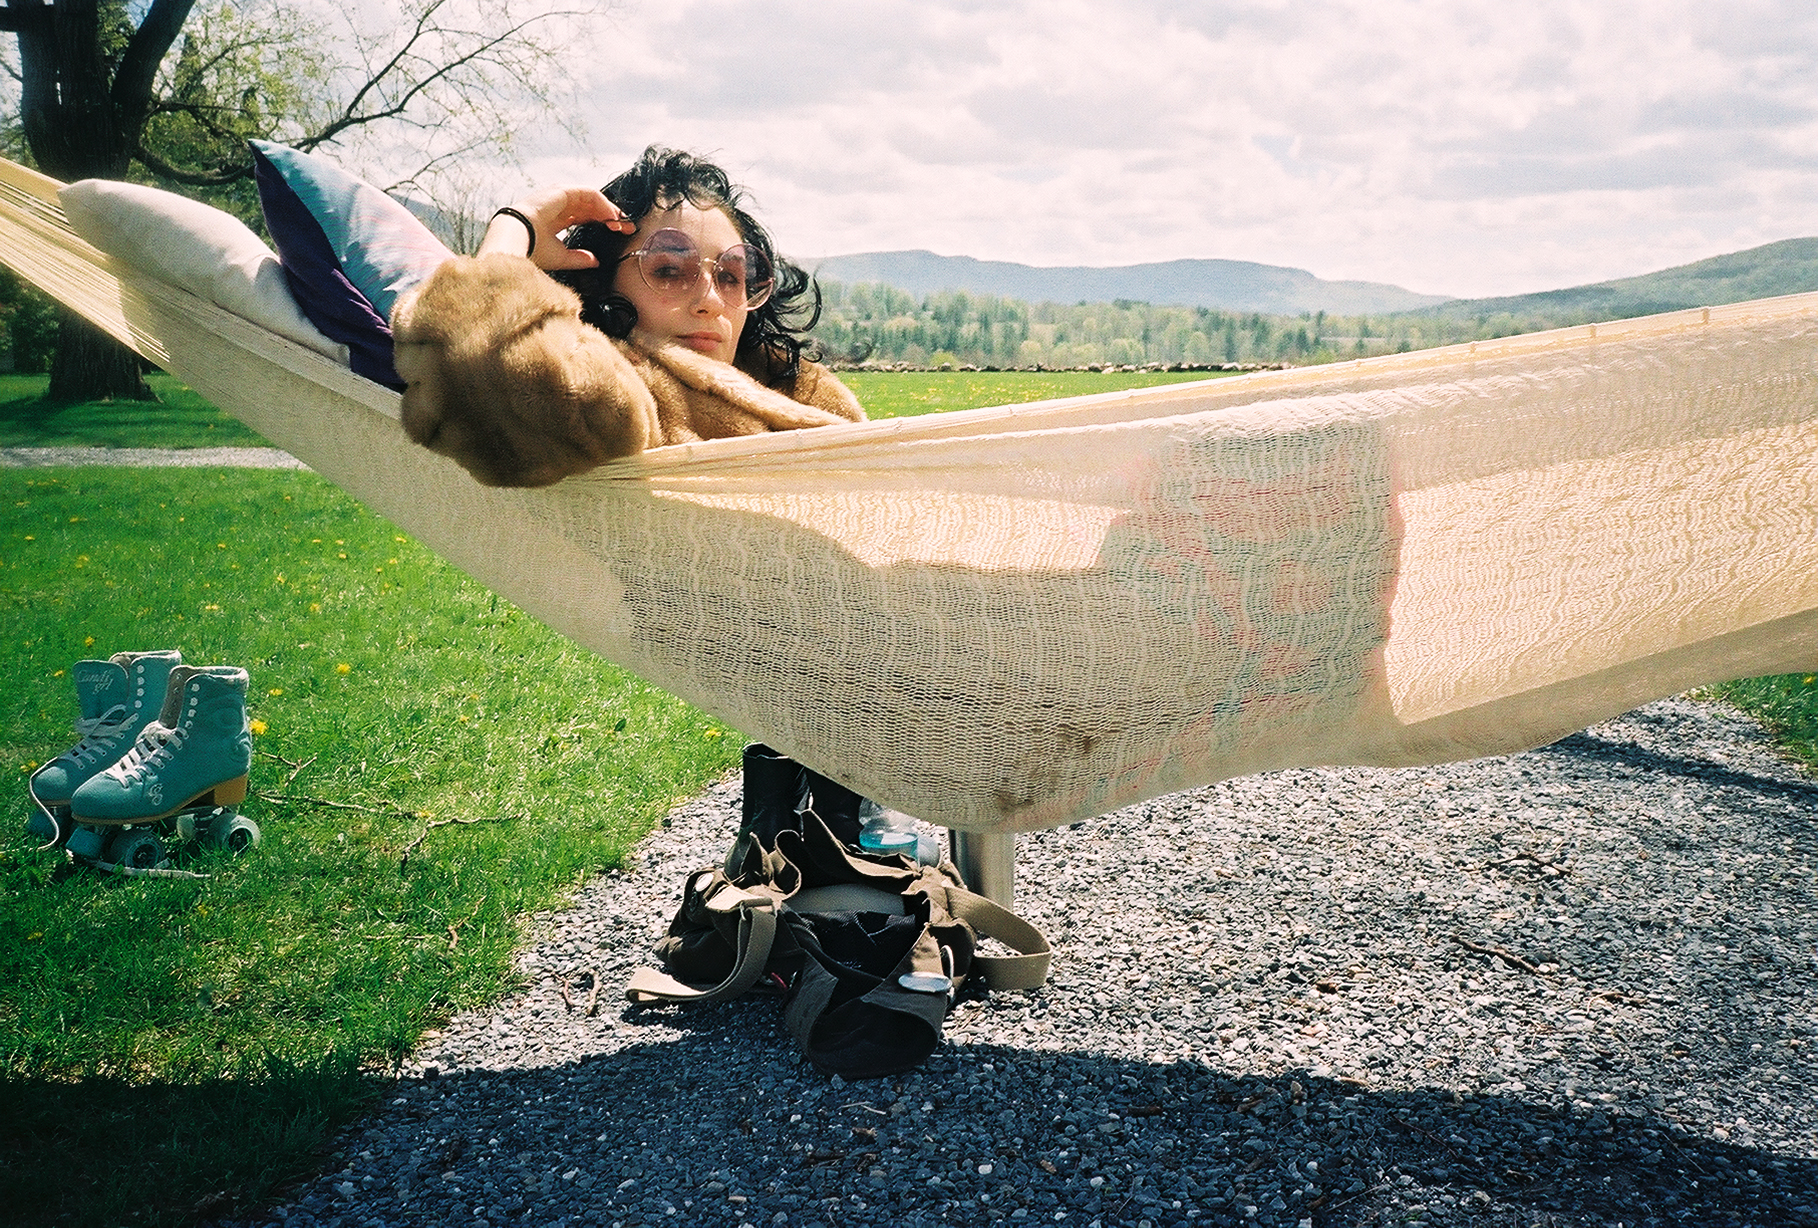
(212, 254)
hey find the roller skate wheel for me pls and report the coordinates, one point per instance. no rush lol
(235, 834)
(138, 850)
(87, 843)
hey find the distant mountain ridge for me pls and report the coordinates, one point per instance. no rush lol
(1789, 266)
(1229, 285)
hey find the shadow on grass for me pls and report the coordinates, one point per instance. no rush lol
(178, 419)
(634, 1126)
(81, 1153)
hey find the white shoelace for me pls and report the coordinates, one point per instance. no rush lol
(154, 744)
(97, 734)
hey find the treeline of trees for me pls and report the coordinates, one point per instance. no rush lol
(28, 326)
(878, 324)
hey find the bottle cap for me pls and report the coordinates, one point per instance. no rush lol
(887, 840)
(925, 982)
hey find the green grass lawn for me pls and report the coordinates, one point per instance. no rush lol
(177, 419)
(393, 694)
(1787, 704)
(181, 419)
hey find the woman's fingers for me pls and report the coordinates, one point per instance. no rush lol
(532, 225)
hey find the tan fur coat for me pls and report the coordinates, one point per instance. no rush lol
(502, 376)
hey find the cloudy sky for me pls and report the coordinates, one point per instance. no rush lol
(1466, 147)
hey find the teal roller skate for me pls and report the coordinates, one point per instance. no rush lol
(115, 699)
(181, 779)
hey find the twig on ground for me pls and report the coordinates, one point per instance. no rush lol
(296, 769)
(592, 1003)
(1535, 859)
(1512, 960)
(302, 799)
(454, 935)
(404, 857)
(1618, 995)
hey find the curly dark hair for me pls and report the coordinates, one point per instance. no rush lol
(771, 344)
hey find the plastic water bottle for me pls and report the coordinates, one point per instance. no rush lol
(891, 831)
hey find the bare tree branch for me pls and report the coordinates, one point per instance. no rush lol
(195, 179)
(145, 51)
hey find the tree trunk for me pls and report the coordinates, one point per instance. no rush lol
(92, 366)
(82, 104)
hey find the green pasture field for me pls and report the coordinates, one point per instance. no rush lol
(431, 766)
(905, 394)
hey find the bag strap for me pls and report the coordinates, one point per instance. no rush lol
(1026, 970)
(757, 934)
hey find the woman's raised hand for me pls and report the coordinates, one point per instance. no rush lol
(531, 225)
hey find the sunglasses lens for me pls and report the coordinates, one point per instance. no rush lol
(670, 262)
(743, 271)
(671, 265)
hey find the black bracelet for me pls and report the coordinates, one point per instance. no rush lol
(529, 225)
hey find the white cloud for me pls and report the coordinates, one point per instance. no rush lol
(1469, 147)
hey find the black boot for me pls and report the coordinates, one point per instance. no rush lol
(775, 794)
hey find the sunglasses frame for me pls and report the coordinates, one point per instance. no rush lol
(752, 300)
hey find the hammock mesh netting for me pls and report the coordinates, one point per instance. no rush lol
(1012, 618)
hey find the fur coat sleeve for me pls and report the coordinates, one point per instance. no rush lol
(502, 376)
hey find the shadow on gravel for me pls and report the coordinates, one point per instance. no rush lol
(1587, 746)
(65, 1144)
(723, 1127)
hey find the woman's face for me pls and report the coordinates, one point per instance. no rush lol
(699, 319)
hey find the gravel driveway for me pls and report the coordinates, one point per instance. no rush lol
(1576, 986)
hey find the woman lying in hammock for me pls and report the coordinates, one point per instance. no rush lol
(677, 321)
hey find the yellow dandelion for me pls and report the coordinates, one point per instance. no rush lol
(280, 577)
(30, 538)
(211, 607)
(342, 554)
(202, 910)
(88, 641)
(257, 726)
(58, 674)
(463, 718)
(315, 607)
(220, 545)
(713, 733)
(398, 538)
(34, 935)
(277, 690)
(343, 668)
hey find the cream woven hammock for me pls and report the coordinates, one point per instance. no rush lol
(1012, 618)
